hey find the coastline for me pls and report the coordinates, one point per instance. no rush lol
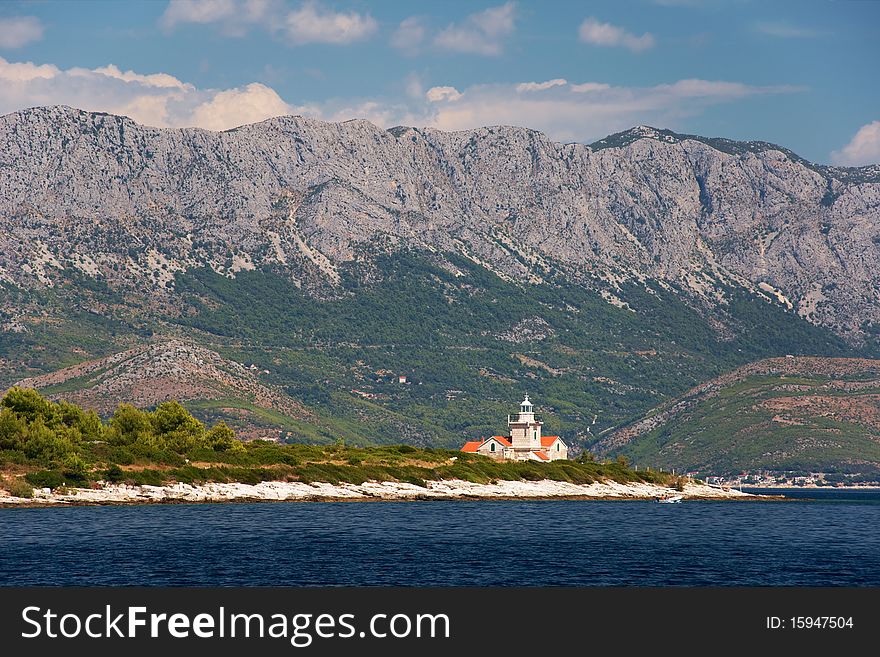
(279, 491)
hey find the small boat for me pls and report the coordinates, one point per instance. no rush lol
(675, 499)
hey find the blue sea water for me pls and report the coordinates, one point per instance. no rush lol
(832, 540)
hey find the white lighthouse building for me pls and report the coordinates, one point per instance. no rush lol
(524, 441)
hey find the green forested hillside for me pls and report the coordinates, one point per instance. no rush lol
(787, 414)
(471, 344)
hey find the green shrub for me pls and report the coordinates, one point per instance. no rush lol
(114, 474)
(45, 479)
(18, 487)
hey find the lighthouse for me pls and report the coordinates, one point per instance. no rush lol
(525, 428)
(524, 442)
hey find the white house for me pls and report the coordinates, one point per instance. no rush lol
(525, 442)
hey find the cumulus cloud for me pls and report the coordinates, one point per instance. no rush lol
(156, 99)
(566, 111)
(583, 111)
(863, 148)
(12, 72)
(196, 11)
(482, 33)
(409, 35)
(18, 31)
(438, 94)
(160, 80)
(234, 107)
(597, 33)
(310, 22)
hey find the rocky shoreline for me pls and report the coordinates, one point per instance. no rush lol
(279, 491)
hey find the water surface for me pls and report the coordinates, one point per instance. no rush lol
(833, 540)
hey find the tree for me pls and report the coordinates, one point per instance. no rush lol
(171, 417)
(220, 437)
(27, 403)
(12, 430)
(44, 444)
(129, 423)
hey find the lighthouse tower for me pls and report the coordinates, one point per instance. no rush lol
(525, 429)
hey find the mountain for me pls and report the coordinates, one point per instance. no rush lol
(215, 387)
(99, 196)
(794, 413)
(603, 279)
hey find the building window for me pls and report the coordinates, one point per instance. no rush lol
(536, 435)
(557, 446)
(492, 447)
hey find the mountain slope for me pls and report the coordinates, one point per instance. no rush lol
(471, 344)
(795, 413)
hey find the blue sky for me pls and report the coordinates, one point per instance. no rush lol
(802, 74)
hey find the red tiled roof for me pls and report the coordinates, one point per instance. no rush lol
(546, 441)
(504, 441)
(472, 446)
(540, 455)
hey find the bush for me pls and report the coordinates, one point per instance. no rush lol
(114, 474)
(18, 488)
(45, 479)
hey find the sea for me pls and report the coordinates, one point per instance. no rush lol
(816, 537)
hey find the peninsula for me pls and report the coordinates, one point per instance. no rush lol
(56, 453)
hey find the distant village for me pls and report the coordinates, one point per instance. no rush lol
(775, 479)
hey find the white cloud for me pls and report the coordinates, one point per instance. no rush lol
(19, 31)
(566, 111)
(409, 35)
(863, 148)
(439, 94)
(786, 31)
(234, 107)
(311, 23)
(196, 11)
(597, 33)
(585, 111)
(161, 80)
(695, 88)
(482, 33)
(540, 86)
(156, 99)
(25, 71)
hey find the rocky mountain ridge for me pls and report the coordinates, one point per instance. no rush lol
(102, 198)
